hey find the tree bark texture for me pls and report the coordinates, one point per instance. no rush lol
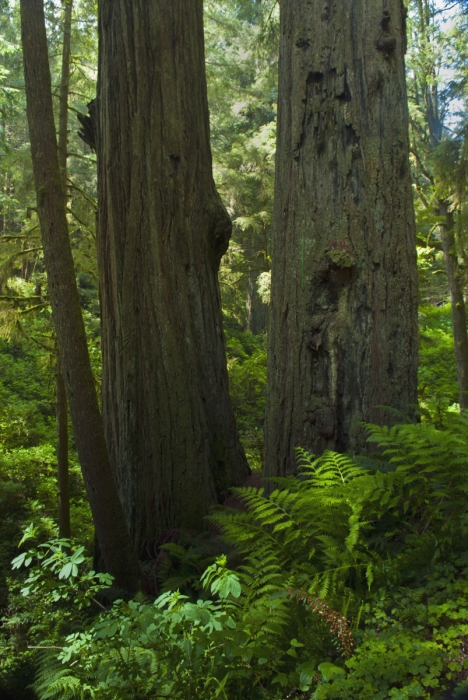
(63, 477)
(343, 321)
(116, 547)
(162, 232)
(460, 337)
(60, 392)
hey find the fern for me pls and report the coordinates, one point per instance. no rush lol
(54, 681)
(325, 539)
(331, 469)
(341, 527)
(307, 533)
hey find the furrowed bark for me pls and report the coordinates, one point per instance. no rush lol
(343, 318)
(162, 232)
(116, 547)
(60, 393)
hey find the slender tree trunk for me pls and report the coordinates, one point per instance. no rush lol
(162, 232)
(64, 90)
(343, 319)
(460, 337)
(61, 409)
(114, 540)
(256, 310)
(60, 393)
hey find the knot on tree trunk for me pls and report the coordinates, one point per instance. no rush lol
(220, 228)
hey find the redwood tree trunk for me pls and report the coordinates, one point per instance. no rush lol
(112, 534)
(60, 393)
(447, 237)
(162, 231)
(343, 321)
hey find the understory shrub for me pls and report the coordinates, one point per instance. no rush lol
(350, 583)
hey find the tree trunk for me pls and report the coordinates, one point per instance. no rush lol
(61, 409)
(447, 237)
(60, 393)
(343, 320)
(162, 232)
(64, 89)
(114, 540)
(256, 310)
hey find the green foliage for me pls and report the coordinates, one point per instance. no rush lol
(52, 600)
(172, 647)
(182, 560)
(345, 533)
(246, 360)
(308, 534)
(242, 77)
(381, 547)
(413, 643)
(379, 543)
(57, 560)
(28, 491)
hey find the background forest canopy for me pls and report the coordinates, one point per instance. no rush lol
(344, 573)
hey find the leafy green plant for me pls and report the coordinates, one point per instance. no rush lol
(55, 574)
(342, 527)
(351, 584)
(175, 648)
(413, 644)
(53, 599)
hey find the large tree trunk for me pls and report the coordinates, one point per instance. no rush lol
(162, 231)
(116, 547)
(343, 321)
(60, 393)
(447, 237)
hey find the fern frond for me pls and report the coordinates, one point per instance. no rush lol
(54, 680)
(330, 469)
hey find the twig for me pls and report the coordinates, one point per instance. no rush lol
(90, 159)
(45, 647)
(80, 221)
(88, 197)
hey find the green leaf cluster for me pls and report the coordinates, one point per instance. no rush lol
(350, 582)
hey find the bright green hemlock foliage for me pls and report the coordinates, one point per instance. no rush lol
(352, 584)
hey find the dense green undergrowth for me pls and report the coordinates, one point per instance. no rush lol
(349, 581)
